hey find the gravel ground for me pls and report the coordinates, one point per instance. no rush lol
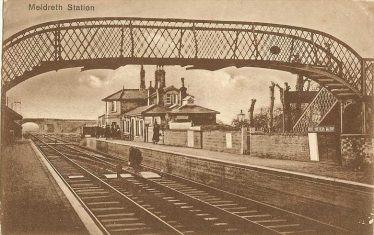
(32, 203)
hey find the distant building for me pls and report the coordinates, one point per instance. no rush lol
(12, 128)
(137, 110)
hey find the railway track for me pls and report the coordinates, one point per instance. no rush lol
(112, 211)
(182, 205)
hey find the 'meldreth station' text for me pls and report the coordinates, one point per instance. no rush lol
(60, 7)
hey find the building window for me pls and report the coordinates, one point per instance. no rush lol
(127, 126)
(171, 99)
(168, 98)
(114, 106)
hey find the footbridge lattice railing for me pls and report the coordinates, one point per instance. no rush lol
(316, 111)
(104, 42)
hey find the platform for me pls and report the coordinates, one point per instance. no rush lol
(316, 170)
(32, 202)
(324, 192)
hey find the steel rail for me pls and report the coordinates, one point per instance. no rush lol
(149, 214)
(305, 219)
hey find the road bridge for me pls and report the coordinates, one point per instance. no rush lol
(54, 125)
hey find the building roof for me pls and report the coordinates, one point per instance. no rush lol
(157, 109)
(192, 108)
(188, 97)
(170, 88)
(138, 110)
(11, 113)
(127, 94)
(148, 109)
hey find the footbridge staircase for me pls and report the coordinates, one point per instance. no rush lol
(316, 111)
(332, 94)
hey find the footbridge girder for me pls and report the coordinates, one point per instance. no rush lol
(92, 42)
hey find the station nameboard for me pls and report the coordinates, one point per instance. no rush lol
(321, 129)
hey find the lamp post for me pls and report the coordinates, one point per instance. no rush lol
(241, 117)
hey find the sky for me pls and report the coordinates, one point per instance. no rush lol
(70, 93)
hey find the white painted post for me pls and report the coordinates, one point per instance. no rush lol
(190, 142)
(228, 140)
(313, 146)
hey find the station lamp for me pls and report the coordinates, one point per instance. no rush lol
(241, 116)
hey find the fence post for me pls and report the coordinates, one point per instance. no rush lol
(201, 138)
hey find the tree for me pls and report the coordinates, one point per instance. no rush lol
(271, 119)
(250, 111)
(285, 108)
(261, 121)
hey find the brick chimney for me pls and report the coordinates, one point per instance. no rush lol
(182, 91)
(162, 77)
(151, 90)
(157, 77)
(142, 77)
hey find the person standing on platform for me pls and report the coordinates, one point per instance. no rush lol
(118, 132)
(156, 133)
(107, 131)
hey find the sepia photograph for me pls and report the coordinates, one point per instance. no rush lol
(187, 117)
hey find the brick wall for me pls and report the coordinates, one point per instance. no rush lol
(357, 151)
(321, 200)
(175, 137)
(295, 147)
(216, 141)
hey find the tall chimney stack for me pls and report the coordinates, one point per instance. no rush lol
(157, 77)
(142, 77)
(162, 77)
(182, 91)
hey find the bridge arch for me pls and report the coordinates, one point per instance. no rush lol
(30, 127)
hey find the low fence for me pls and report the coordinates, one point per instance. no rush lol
(280, 146)
(292, 146)
(222, 141)
(175, 137)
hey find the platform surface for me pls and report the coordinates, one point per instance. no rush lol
(321, 170)
(32, 203)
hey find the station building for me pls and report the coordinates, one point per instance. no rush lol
(12, 125)
(136, 111)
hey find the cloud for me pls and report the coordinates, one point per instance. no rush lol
(93, 81)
